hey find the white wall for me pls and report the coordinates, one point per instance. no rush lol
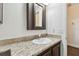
(54, 15)
(14, 22)
(56, 20)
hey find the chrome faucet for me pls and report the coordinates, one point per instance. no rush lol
(39, 35)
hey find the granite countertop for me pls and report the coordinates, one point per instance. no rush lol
(27, 48)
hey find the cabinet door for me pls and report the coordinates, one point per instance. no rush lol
(55, 51)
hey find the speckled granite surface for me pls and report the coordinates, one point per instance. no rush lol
(27, 48)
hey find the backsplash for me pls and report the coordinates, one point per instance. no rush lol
(25, 38)
(19, 39)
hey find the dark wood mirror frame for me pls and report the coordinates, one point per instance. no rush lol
(31, 18)
(1, 13)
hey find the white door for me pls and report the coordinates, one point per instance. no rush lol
(73, 25)
(76, 32)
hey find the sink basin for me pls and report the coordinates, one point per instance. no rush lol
(41, 41)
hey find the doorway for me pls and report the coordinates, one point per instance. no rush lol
(73, 29)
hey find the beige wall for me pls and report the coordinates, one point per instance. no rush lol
(69, 23)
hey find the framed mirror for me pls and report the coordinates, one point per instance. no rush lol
(36, 16)
(1, 13)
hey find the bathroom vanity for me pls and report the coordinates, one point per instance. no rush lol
(51, 51)
(27, 48)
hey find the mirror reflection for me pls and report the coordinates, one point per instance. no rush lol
(36, 16)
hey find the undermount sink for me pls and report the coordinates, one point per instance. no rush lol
(41, 41)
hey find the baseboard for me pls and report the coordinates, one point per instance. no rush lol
(73, 45)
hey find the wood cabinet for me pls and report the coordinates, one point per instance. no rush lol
(55, 50)
(6, 53)
(52, 51)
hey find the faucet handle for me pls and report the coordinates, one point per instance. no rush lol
(39, 35)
